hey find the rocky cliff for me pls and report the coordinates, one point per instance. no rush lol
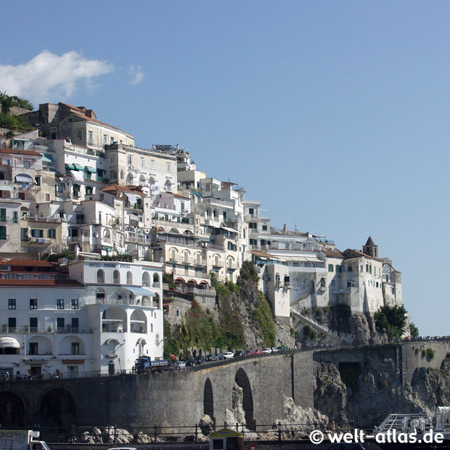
(365, 397)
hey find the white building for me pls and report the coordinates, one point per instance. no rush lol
(100, 320)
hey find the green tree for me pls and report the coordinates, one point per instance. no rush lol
(413, 330)
(391, 319)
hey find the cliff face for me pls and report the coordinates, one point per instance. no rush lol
(366, 396)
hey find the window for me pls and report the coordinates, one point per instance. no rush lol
(26, 164)
(38, 181)
(169, 167)
(251, 211)
(74, 303)
(361, 268)
(12, 323)
(75, 324)
(12, 303)
(338, 269)
(51, 233)
(33, 348)
(60, 303)
(79, 135)
(15, 218)
(91, 137)
(130, 160)
(264, 227)
(60, 323)
(75, 348)
(33, 303)
(105, 139)
(253, 242)
(37, 233)
(3, 235)
(2, 214)
(142, 162)
(47, 197)
(350, 268)
(253, 225)
(112, 140)
(330, 268)
(33, 324)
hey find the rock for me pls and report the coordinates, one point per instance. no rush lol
(206, 424)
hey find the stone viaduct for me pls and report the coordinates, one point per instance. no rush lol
(177, 399)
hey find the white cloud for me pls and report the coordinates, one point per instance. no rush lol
(49, 77)
(137, 74)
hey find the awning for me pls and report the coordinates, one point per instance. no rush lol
(133, 217)
(23, 178)
(229, 229)
(45, 159)
(70, 167)
(8, 342)
(6, 188)
(139, 291)
(78, 167)
(90, 169)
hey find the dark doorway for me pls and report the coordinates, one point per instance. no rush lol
(12, 410)
(243, 382)
(208, 399)
(58, 410)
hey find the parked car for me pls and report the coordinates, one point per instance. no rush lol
(256, 352)
(228, 355)
(190, 362)
(200, 360)
(267, 350)
(179, 365)
(275, 349)
(220, 356)
(240, 353)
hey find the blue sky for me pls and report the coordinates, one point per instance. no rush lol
(333, 114)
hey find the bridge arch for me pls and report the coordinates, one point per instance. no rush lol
(243, 382)
(12, 410)
(58, 409)
(208, 399)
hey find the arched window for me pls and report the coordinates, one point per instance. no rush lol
(100, 276)
(116, 277)
(129, 278)
(155, 278)
(185, 256)
(146, 279)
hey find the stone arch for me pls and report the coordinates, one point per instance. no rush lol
(100, 276)
(138, 322)
(145, 279)
(114, 320)
(243, 382)
(208, 399)
(116, 277)
(12, 410)
(58, 409)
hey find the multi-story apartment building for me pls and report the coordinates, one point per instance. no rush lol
(78, 124)
(299, 271)
(98, 318)
(155, 169)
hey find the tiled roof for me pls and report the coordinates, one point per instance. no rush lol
(25, 263)
(114, 188)
(333, 253)
(41, 283)
(81, 115)
(263, 255)
(15, 151)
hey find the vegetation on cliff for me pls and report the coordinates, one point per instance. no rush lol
(239, 306)
(13, 123)
(392, 320)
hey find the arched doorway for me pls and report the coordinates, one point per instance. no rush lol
(12, 410)
(58, 410)
(243, 382)
(208, 399)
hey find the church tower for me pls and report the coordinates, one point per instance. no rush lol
(370, 248)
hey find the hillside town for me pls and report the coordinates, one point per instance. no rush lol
(144, 226)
